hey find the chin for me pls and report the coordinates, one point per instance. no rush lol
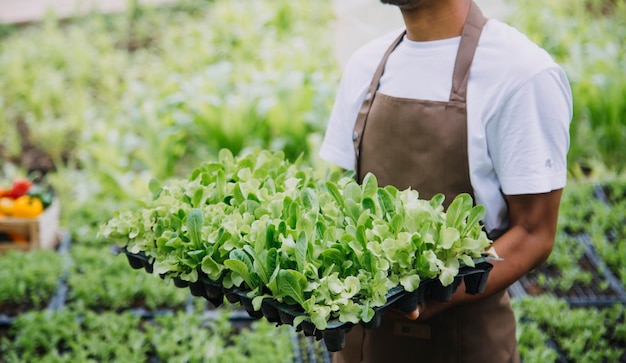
(405, 4)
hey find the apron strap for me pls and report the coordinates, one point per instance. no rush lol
(469, 42)
(467, 47)
(367, 103)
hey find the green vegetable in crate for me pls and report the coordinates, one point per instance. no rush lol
(42, 192)
(329, 246)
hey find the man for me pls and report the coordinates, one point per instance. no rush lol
(457, 103)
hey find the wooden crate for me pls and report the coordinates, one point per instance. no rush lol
(40, 232)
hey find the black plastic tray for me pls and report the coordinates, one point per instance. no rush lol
(604, 289)
(475, 279)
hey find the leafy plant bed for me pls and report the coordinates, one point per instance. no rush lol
(31, 276)
(29, 280)
(579, 334)
(576, 274)
(475, 279)
(596, 215)
(612, 249)
(309, 350)
(607, 232)
(597, 292)
(82, 336)
(98, 281)
(534, 344)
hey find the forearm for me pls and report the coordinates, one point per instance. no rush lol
(521, 251)
(526, 245)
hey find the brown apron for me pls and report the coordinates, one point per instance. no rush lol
(422, 144)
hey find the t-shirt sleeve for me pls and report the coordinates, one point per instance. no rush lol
(337, 146)
(529, 139)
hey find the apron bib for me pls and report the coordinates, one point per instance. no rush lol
(422, 144)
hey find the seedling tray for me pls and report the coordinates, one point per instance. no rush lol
(57, 300)
(475, 279)
(602, 291)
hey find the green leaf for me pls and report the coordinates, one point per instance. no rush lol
(249, 206)
(241, 256)
(369, 261)
(369, 186)
(155, 188)
(195, 220)
(334, 192)
(299, 320)
(271, 263)
(198, 198)
(350, 312)
(211, 268)
(220, 186)
(368, 203)
(271, 238)
(352, 286)
(257, 301)
(360, 237)
(397, 223)
(242, 270)
(458, 210)
(475, 216)
(293, 215)
(302, 245)
(467, 260)
(352, 192)
(365, 219)
(320, 230)
(225, 156)
(270, 185)
(437, 200)
(238, 194)
(320, 316)
(472, 245)
(353, 209)
(386, 201)
(291, 283)
(309, 200)
(253, 197)
(282, 228)
(448, 237)
(410, 282)
(332, 256)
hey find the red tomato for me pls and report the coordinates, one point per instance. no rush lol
(19, 187)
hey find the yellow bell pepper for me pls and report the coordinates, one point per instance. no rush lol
(27, 207)
(6, 206)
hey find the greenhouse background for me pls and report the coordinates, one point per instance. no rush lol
(93, 105)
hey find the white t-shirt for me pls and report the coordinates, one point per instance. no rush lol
(518, 103)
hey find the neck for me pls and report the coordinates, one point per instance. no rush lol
(436, 19)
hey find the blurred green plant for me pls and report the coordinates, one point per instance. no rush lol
(584, 335)
(187, 338)
(113, 100)
(98, 280)
(597, 211)
(86, 336)
(588, 38)
(28, 280)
